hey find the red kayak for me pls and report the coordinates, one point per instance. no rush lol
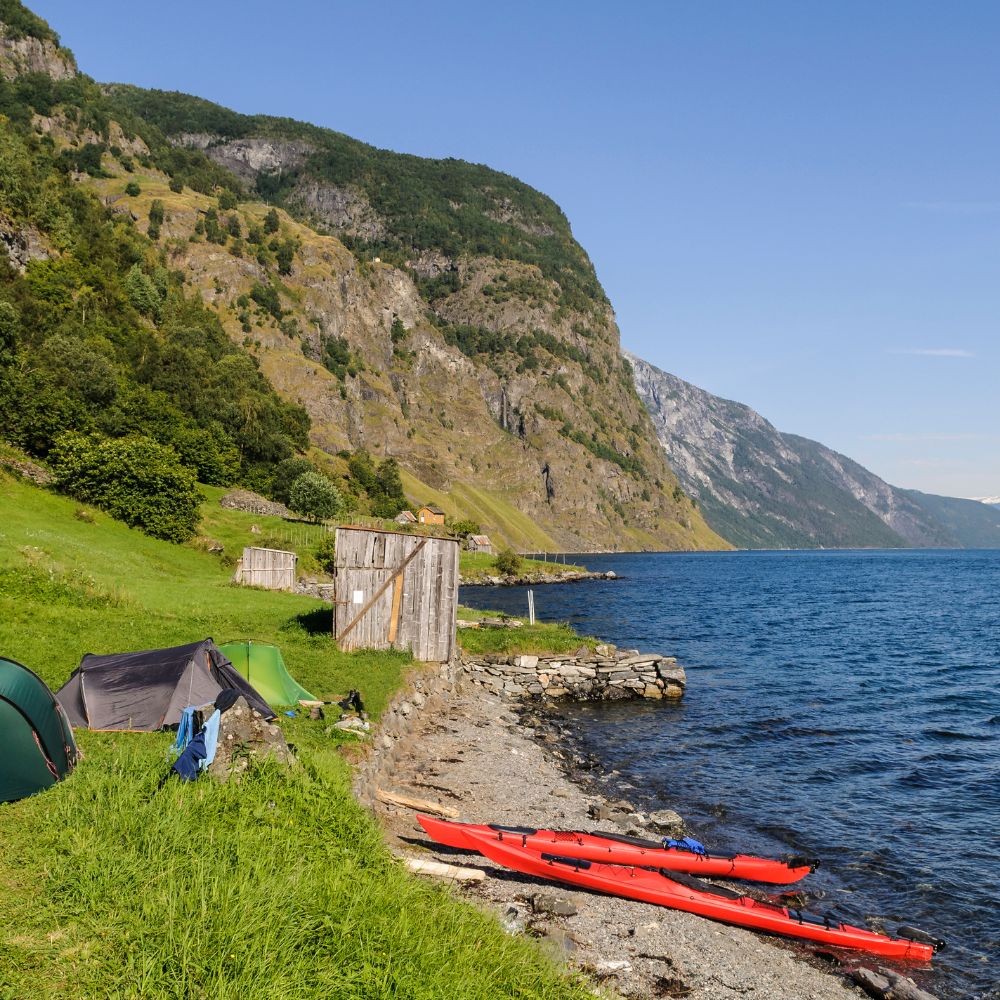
(617, 850)
(715, 902)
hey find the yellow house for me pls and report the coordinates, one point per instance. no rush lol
(430, 515)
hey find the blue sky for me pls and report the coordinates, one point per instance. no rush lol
(792, 204)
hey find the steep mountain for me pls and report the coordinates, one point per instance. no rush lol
(971, 524)
(760, 488)
(433, 311)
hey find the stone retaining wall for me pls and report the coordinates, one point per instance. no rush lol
(427, 690)
(606, 674)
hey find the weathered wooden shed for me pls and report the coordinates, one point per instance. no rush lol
(480, 543)
(272, 569)
(396, 590)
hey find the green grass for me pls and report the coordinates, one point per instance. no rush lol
(476, 565)
(542, 637)
(278, 888)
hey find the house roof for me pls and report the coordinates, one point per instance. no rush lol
(406, 515)
(432, 509)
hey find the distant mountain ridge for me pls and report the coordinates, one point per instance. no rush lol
(761, 488)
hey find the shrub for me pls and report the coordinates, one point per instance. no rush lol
(227, 200)
(271, 223)
(134, 479)
(507, 562)
(326, 553)
(132, 189)
(464, 528)
(313, 495)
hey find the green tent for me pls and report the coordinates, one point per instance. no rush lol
(263, 666)
(36, 741)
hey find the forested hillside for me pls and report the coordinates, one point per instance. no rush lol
(245, 290)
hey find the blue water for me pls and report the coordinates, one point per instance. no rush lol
(844, 705)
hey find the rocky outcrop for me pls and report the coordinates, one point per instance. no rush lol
(761, 488)
(253, 503)
(604, 674)
(22, 54)
(20, 245)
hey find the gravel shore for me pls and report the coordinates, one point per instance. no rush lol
(480, 757)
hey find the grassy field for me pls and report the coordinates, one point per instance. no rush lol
(542, 637)
(278, 888)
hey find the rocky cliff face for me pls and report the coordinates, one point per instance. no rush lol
(760, 488)
(22, 53)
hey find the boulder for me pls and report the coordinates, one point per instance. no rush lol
(667, 822)
(245, 736)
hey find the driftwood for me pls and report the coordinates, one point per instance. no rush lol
(419, 805)
(888, 985)
(441, 870)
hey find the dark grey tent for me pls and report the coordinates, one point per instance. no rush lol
(148, 690)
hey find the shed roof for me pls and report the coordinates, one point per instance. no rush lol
(481, 539)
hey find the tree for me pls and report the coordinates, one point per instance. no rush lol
(285, 474)
(134, 479)
(10, 333)
(313, 495)
(227, 200)
(271, 223)
(507, 562)
(155, 219)
(464, 528)
(284, 254)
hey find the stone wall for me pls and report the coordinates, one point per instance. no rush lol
(427, 690)
(604, 674)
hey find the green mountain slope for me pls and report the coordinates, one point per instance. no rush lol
(436, 312)
(969, 523)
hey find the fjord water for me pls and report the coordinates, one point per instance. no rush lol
(844, 705)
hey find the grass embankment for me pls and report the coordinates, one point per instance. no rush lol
(541, 638)
(277, 888)
(478, 565)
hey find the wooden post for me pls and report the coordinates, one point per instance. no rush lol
(531, 607)
(397, 594)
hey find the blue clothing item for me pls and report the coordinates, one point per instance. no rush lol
(211, 733)
(687, 844)
(188, 763)
(185, 730)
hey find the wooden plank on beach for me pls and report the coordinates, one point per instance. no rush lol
(441, 870)
(418, 805)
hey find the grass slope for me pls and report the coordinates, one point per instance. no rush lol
(279, 888)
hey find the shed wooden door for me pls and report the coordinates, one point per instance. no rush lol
(396, 590)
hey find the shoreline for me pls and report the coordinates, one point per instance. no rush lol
(537, 579)
(499, 760)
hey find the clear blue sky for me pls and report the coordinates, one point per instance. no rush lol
(792, 204)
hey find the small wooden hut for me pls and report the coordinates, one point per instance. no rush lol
(272, 569)
(396, 590)
(480, 543)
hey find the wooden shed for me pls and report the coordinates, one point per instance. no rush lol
(272, 569)
(396, 590)
(479, 543)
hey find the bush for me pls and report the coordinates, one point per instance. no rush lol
(134, 479)
(465, 528)
(326, 553)
(507, 562)
(313, 495)
(132, 189)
